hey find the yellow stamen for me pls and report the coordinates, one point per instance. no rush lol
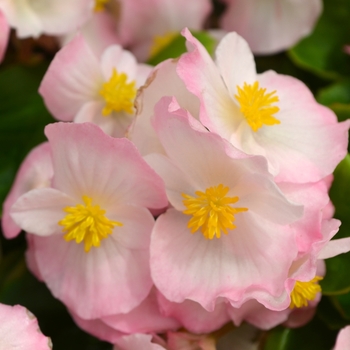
(256, 105)
(118, 94)
(211, 211)
(87, 223)
(100, 5)
(160, 42)
(304, 292)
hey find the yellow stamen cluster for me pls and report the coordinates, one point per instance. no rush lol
(304, 292)
(118, 94)
(160, 42)
(256, 105)
(87, 223)
(100, 5)
(211, 211)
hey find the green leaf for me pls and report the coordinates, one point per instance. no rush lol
(176, 47)
(342, 304)
(337, 279)
(337, 97)
(323, 51)
(315, 335)
(330, 314)
(23, 118)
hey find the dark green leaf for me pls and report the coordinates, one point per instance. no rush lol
(323, 51)
(315, 335)
(23, 118)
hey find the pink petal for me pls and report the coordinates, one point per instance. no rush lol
(271, 26)
(145, 318)
(334, 248)
(83, 153)
(163, 81)
(309, 134)
(114, 57)
(73, 78)
(19, 329)
(193, 317)
(97, 328)
(99, 33)
(115, 125)
(110, 279)
(202, 78)
(237, 266)
(258, 315)
(343, 339)
(44, 203)
(35, 172)
(235, 62)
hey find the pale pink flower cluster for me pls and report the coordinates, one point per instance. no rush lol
(184, 196)
(144, 26)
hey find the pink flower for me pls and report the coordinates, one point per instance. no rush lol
(35, 172)
(147, 25)
(82, 87)
(343, 339)
(273, 25)
(265, 114)
(55, 17)
(100, 191)
(19, 329)
(247, 227)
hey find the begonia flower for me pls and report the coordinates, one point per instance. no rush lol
(343, 339)
(271, 26)
(147, 26)
(4, 35)
(55, 17)
(35, 172)
(81, 87)
(92, 240)
(267, 114)
(228, 218)
(19, 329)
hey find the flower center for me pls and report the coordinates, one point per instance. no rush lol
(304, 292)
(160, 42)
(118, 94)
(256, 105)
(211, 211)
(87, 223)
(100, 5)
